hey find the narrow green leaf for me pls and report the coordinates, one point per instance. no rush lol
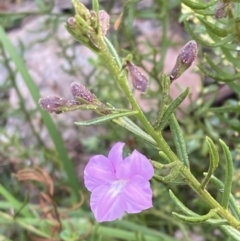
(213, 28)
(113, 52)
(122, 234)
(221, 74)
(14, 202)
(228, 55)
(189, 212)
(171, 108)
(206, 12)
(25, 225)
(34, 91)
(135, 129)
(195, 220)
(178, 140)
(225, 109)
(181, 206)
(232, 203)
(215, 67)
(197, 5)
(218, 76)
(165, 84)
(214, 161)
(164, 157)
(231, 232)
(218, 43)
(228, 174)
(105, 118)
(235, 87)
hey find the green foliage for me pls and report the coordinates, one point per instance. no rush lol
(47, 204)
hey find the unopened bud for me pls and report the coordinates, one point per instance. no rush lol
(222, 10)
(52, 104)
(81, 10)
(139, 80)
(104, 21)
(80, 91)
(71, 22)
(184, 59)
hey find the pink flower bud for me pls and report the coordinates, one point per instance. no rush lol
(71, 22)
(80, 91)
(139, 80)
(52, 104)
(184, 59)
(104, 21)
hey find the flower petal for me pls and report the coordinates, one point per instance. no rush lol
(98, 171)
(106, 204)
(135, 164)
(116, 154)
(137, 195)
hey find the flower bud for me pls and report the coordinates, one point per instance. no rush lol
(82, 11)
(139, 80)
(80, 91)
(71, 22)
(52, 104)
(184, 59)
(104, 21)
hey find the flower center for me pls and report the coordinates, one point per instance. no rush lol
(117, 187)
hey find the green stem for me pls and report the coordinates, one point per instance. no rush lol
(113, 66)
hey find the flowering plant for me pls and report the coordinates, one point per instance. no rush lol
(120, 185)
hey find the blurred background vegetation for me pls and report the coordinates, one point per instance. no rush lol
(42, 196)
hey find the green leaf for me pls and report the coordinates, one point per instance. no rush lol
(189, 212)
(217, 43)
(171, 108)
(219, 77)
(231, 232)
(228, 174)
(131, 126)
(206, 12)
(235, 87)
(214, 161)
(220, 74)
(14, 202)
(212, 27)
(165, 84)
(232, 203)
(164, 157)
(232, 60)
(198, 219)
(225, 109)
(178, 140)
(181, 206)
(197, 5)
(113, 51)
(105, 118)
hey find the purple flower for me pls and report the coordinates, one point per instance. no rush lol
(118, 185)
